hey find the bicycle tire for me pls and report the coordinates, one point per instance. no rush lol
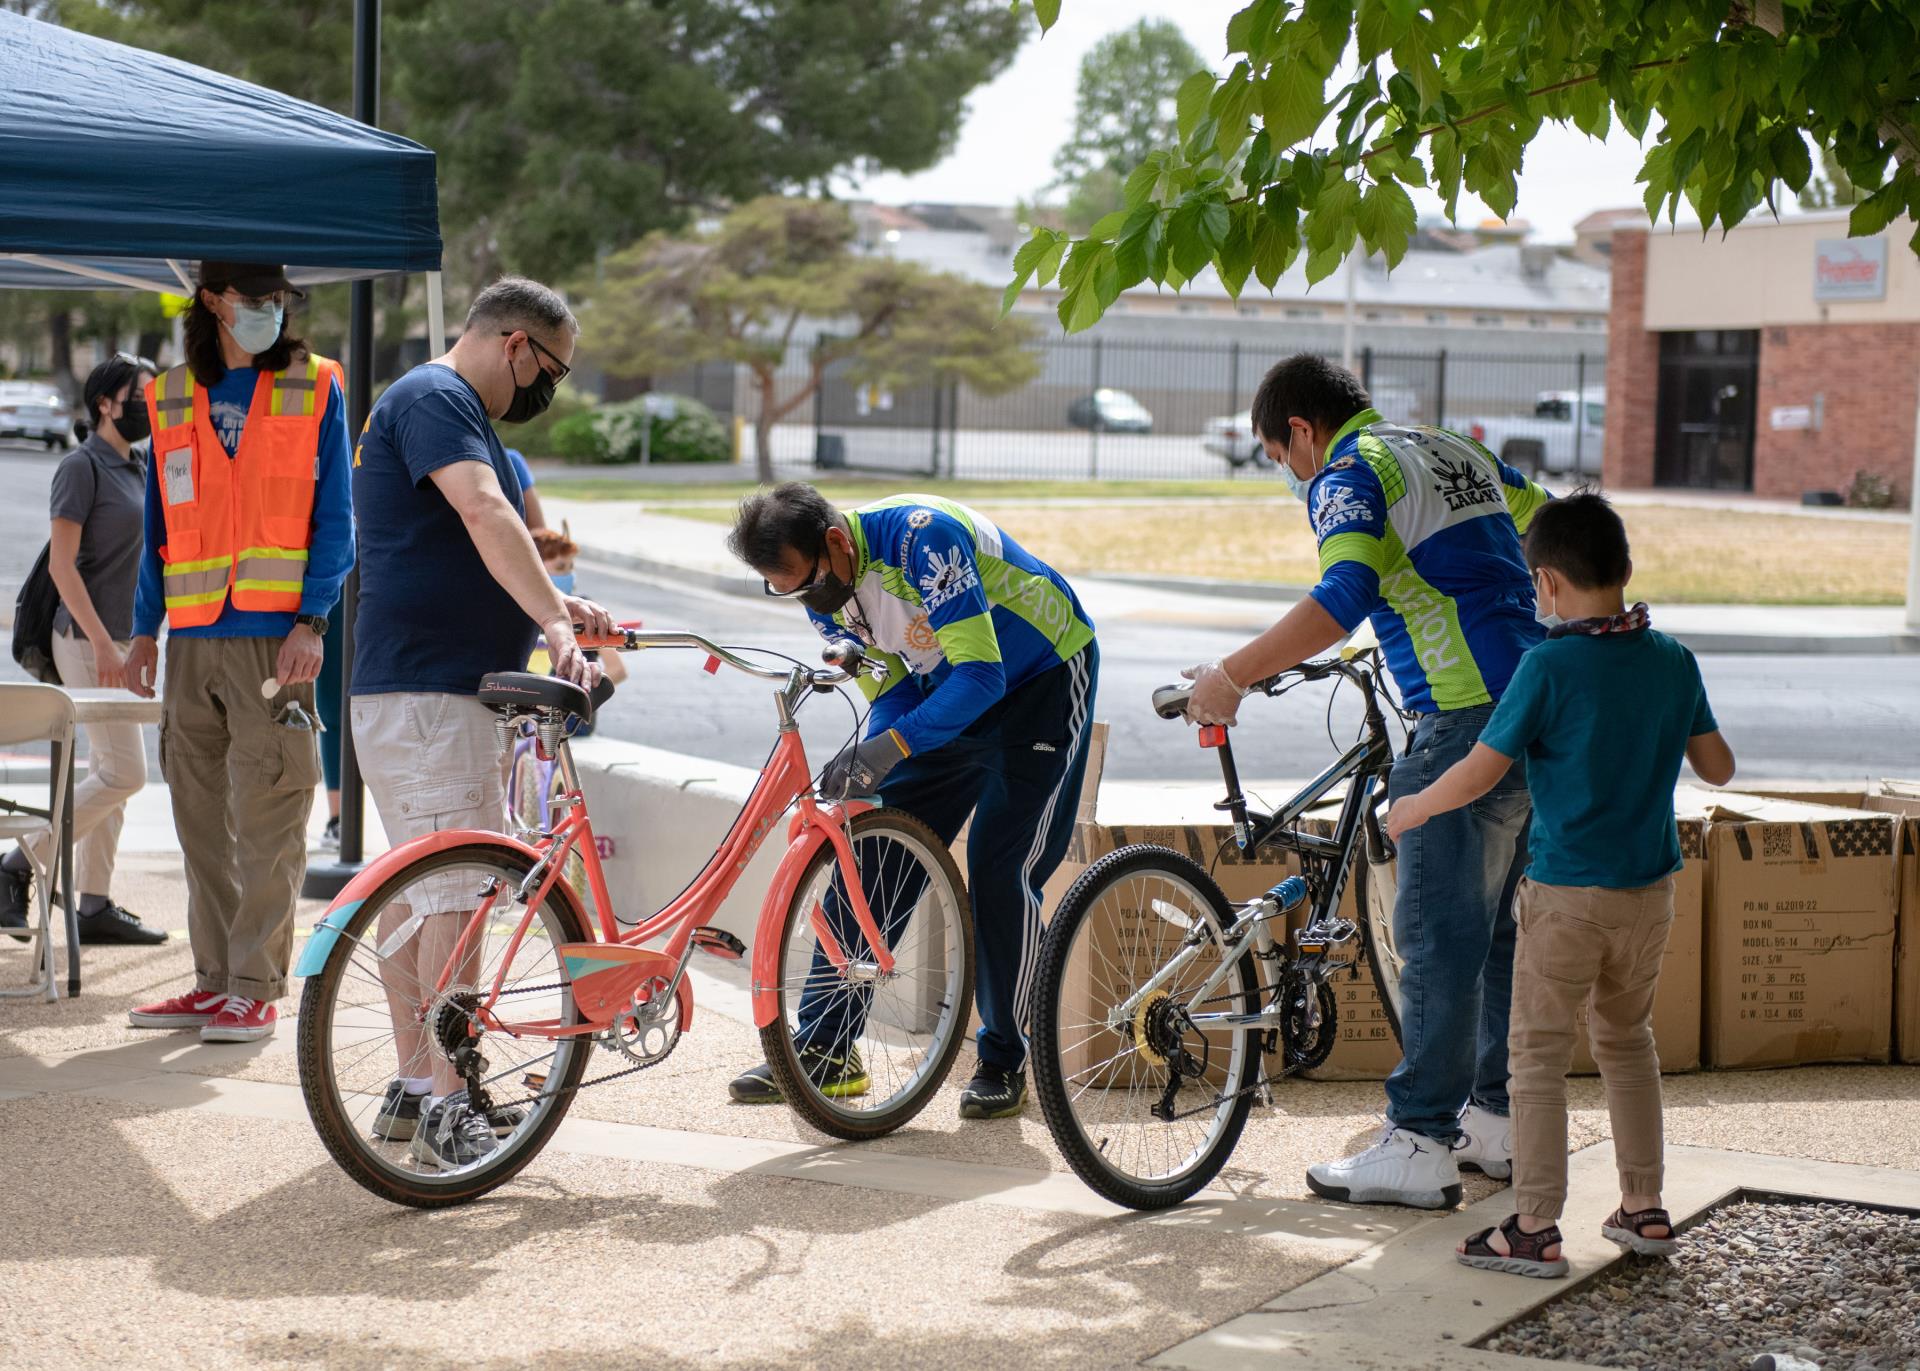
(324, 1103)
(776, 1039)
(1373, 896)
(1088, 1158)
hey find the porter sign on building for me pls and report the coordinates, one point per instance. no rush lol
(1850, 269)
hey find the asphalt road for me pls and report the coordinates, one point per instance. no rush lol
(1786, 716)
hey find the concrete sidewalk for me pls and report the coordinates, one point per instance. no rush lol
(182, 1211)
(694, 551)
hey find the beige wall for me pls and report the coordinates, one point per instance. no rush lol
(1762, 274)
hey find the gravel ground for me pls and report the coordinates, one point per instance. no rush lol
(1835, 1285)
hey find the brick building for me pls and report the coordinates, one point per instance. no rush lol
(1781, 359)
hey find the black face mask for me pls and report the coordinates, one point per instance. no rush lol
(531, 400)
(134, 423)
(831, 593)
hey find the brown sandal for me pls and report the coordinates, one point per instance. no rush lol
(1524, 1255)
(1630, 1232)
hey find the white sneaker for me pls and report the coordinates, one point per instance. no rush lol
(1486, 1142)
(1401, 1168)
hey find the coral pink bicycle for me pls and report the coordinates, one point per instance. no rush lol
(468, 954)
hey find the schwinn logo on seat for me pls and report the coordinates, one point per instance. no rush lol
(1464, 485)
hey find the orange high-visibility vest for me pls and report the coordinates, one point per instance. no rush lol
(237, 526)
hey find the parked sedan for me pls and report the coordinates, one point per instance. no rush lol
(1110, 411)
(36, 412)
(1232, 437)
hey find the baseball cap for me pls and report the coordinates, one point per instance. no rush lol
(250, 278)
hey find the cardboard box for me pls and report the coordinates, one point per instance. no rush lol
(1365, 1048)
(1800, 919)
(1901, 799)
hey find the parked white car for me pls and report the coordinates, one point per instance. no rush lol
(1564, 434)
(1231, 436)
(35, 412)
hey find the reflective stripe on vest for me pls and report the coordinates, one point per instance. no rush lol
(203, 582)
(294, 392)
(270, 569)
(173, 397)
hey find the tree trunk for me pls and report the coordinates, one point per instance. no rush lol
(60, 340)
(763, 381)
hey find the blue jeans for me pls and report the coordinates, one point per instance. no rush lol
(1453, 924)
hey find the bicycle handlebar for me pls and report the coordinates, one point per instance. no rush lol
(844, 656)
(1170, 701)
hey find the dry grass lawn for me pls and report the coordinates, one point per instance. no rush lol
(1681, 555)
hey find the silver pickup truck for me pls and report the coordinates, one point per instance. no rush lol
(1563, 435)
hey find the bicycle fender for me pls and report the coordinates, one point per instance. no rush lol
(313, 957)
(803, 840)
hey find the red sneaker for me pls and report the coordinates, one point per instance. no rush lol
(240, 1020)
(191, 1010)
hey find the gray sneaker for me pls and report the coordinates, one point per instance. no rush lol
(503, 1119)
(398, 1118)
(452, 1135)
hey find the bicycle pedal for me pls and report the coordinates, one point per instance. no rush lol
(719, 942)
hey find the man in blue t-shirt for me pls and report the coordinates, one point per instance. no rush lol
(1602, 712)
(451, 588)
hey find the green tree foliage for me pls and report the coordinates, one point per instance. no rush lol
(1830, 187)
(1275, 162)
(1125, 109)
(740, 292)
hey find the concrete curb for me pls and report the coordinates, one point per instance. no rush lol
(743, 584)
(1866, 644)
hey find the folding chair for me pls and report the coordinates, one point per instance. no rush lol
(36, 714)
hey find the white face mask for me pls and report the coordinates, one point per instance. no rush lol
(257, 327)
(1287, 473)
(1547, 618)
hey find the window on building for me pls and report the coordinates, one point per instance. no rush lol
(1192, 307)
(1489, 321)
(1437, 317)
(1380, 316)
(1250, 311)
(1588, 322)
(1539, 321)
(1302, 312)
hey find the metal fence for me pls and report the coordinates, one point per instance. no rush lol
(1134, 409)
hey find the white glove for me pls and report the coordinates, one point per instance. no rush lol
(1216, 699)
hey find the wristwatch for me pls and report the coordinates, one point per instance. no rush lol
(316, 622)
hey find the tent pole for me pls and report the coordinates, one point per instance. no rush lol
(324, 882)
(436, 316)
(186, 281)
(86, 272)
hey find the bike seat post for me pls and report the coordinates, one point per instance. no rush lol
(1236, 802)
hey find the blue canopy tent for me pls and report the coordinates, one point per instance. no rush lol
(123, 168)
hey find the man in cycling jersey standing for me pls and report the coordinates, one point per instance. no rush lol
(985, 709)
(1419, 530)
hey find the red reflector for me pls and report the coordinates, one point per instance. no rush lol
(713, 666)
(1478, 433)
(1213, 735)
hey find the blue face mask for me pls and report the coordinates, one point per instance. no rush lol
(257, 327)
(1294, 483)
(564, 581)
(1546, 619)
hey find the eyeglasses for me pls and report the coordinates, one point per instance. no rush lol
(137, 363)
(542, 351)
(814, 577)
(278, 297)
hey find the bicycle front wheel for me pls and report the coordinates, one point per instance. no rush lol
(1377, 890)
(366, 1021)
(855, 1051)
(1145, 1106)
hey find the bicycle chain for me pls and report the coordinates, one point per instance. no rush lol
(597, 1080)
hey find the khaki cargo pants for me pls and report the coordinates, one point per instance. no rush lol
(242, 782)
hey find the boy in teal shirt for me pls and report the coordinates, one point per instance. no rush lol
(1603, 712)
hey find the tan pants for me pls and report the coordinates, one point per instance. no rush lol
(1603, 947)
(116, 770)
(243, 784)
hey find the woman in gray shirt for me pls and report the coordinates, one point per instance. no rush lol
(94, 557)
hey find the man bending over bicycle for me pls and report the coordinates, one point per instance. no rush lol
(985, 709)
(1419, 529)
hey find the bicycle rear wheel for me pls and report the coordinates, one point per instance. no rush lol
(350, 1050)
(839, 1027)
(1103, 1078)
(1374, 897)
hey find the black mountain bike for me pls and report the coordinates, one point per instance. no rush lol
(1161, 1009)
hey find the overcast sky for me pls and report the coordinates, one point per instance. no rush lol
(1015, 125)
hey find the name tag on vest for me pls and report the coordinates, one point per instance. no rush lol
(178, 476)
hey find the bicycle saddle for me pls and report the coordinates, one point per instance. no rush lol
(1170, 701)
(515, 692)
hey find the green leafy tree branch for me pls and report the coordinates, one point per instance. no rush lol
(1270, 165)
